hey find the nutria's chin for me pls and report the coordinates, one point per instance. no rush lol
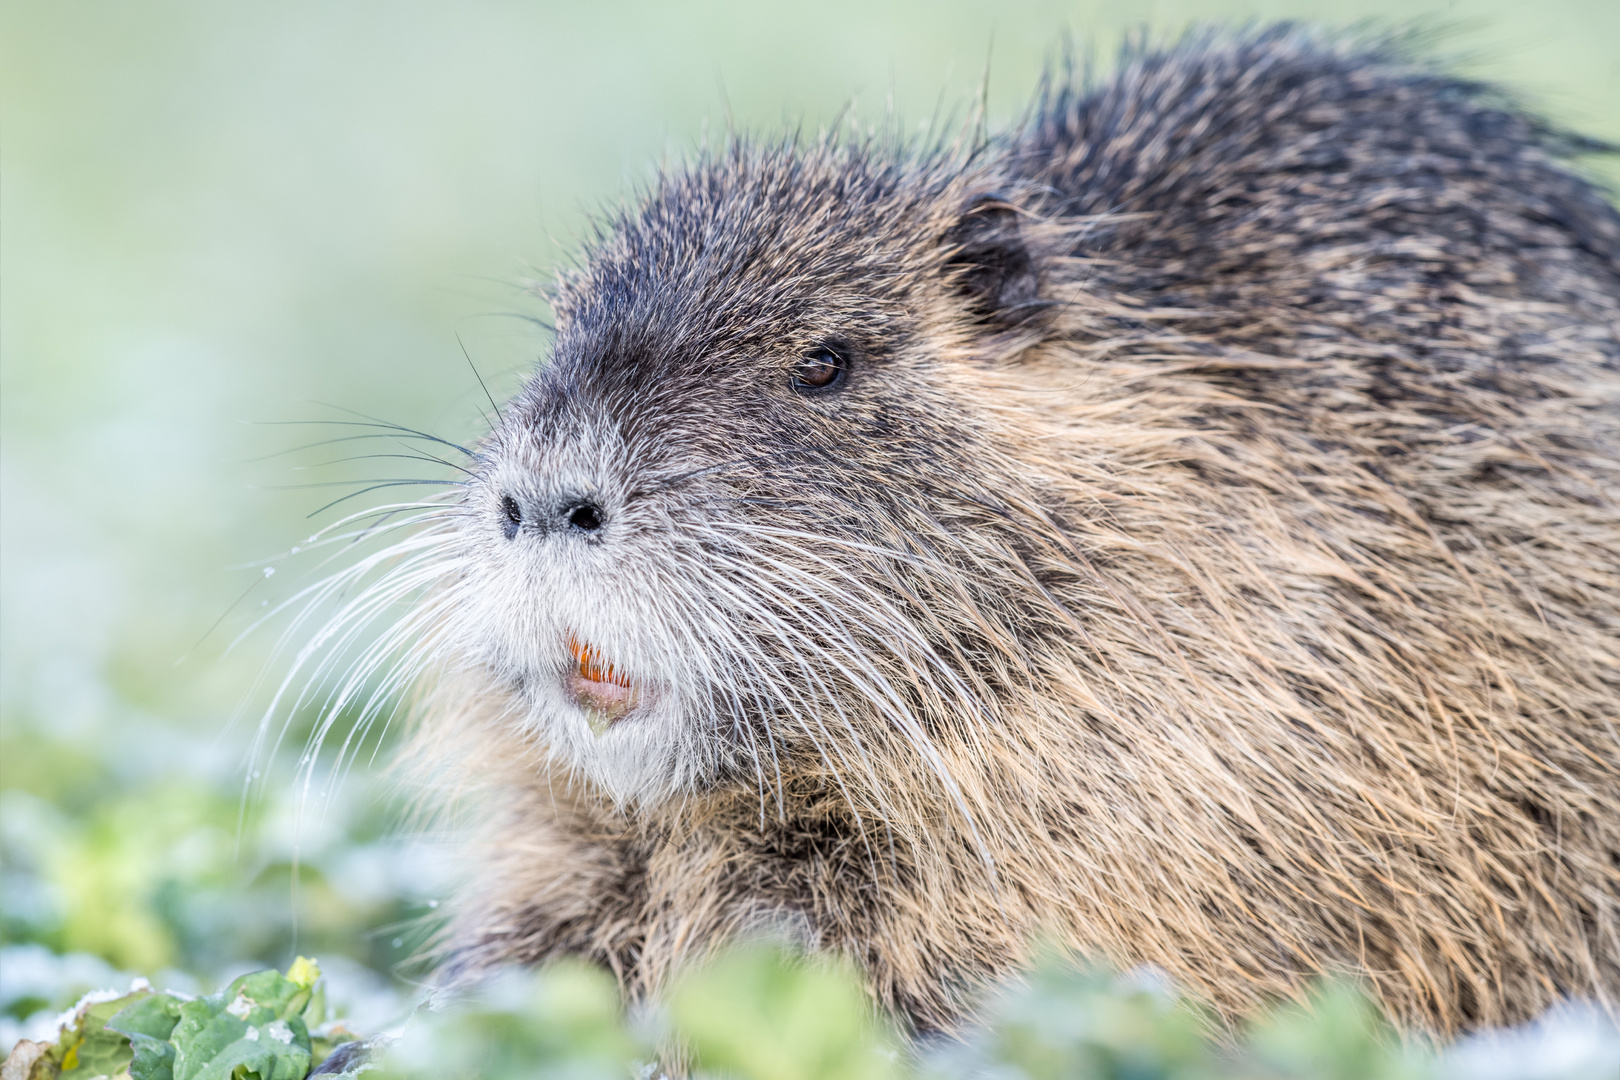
(1186, 525)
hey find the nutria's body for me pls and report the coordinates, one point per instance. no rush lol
(1205, 550)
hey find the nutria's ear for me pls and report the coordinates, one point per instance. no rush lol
(993, 268)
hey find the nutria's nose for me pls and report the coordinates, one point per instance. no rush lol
(572, 514)
(584, 516)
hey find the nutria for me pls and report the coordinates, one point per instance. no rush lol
(1185, 527)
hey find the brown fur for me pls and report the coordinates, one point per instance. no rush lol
(1249, 587)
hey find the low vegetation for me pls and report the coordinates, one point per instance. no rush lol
(762, 1014)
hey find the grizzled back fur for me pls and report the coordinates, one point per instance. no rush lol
(1187, 527)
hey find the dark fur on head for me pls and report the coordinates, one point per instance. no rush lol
(1205, 552)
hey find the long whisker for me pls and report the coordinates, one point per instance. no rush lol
(380, 487)
(873, 686)
(422, 457)
(371, 422)
(300, 448)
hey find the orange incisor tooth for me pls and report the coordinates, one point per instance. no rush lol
(590, 667)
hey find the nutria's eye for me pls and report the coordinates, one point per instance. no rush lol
(820, 369)
(514, 516)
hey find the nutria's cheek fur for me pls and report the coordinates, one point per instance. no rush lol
(1185, 527)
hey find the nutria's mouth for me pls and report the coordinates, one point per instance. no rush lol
(602, 693)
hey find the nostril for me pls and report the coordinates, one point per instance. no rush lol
(513, 514)
(586, 517)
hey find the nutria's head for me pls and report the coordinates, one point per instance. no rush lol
(704, 535)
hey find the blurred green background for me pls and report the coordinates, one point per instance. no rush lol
(218, 218)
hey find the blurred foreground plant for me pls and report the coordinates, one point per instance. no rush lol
(565, 1023)
(765, 1014)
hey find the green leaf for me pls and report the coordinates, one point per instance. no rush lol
(565, 1023)
(154, 1015)
(233, 1035)
(1338, 1035)
(88, 1049)
(149, 1022)
(1068, 1022)
(154, 1058)
(273, 990)
(763, 1014)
